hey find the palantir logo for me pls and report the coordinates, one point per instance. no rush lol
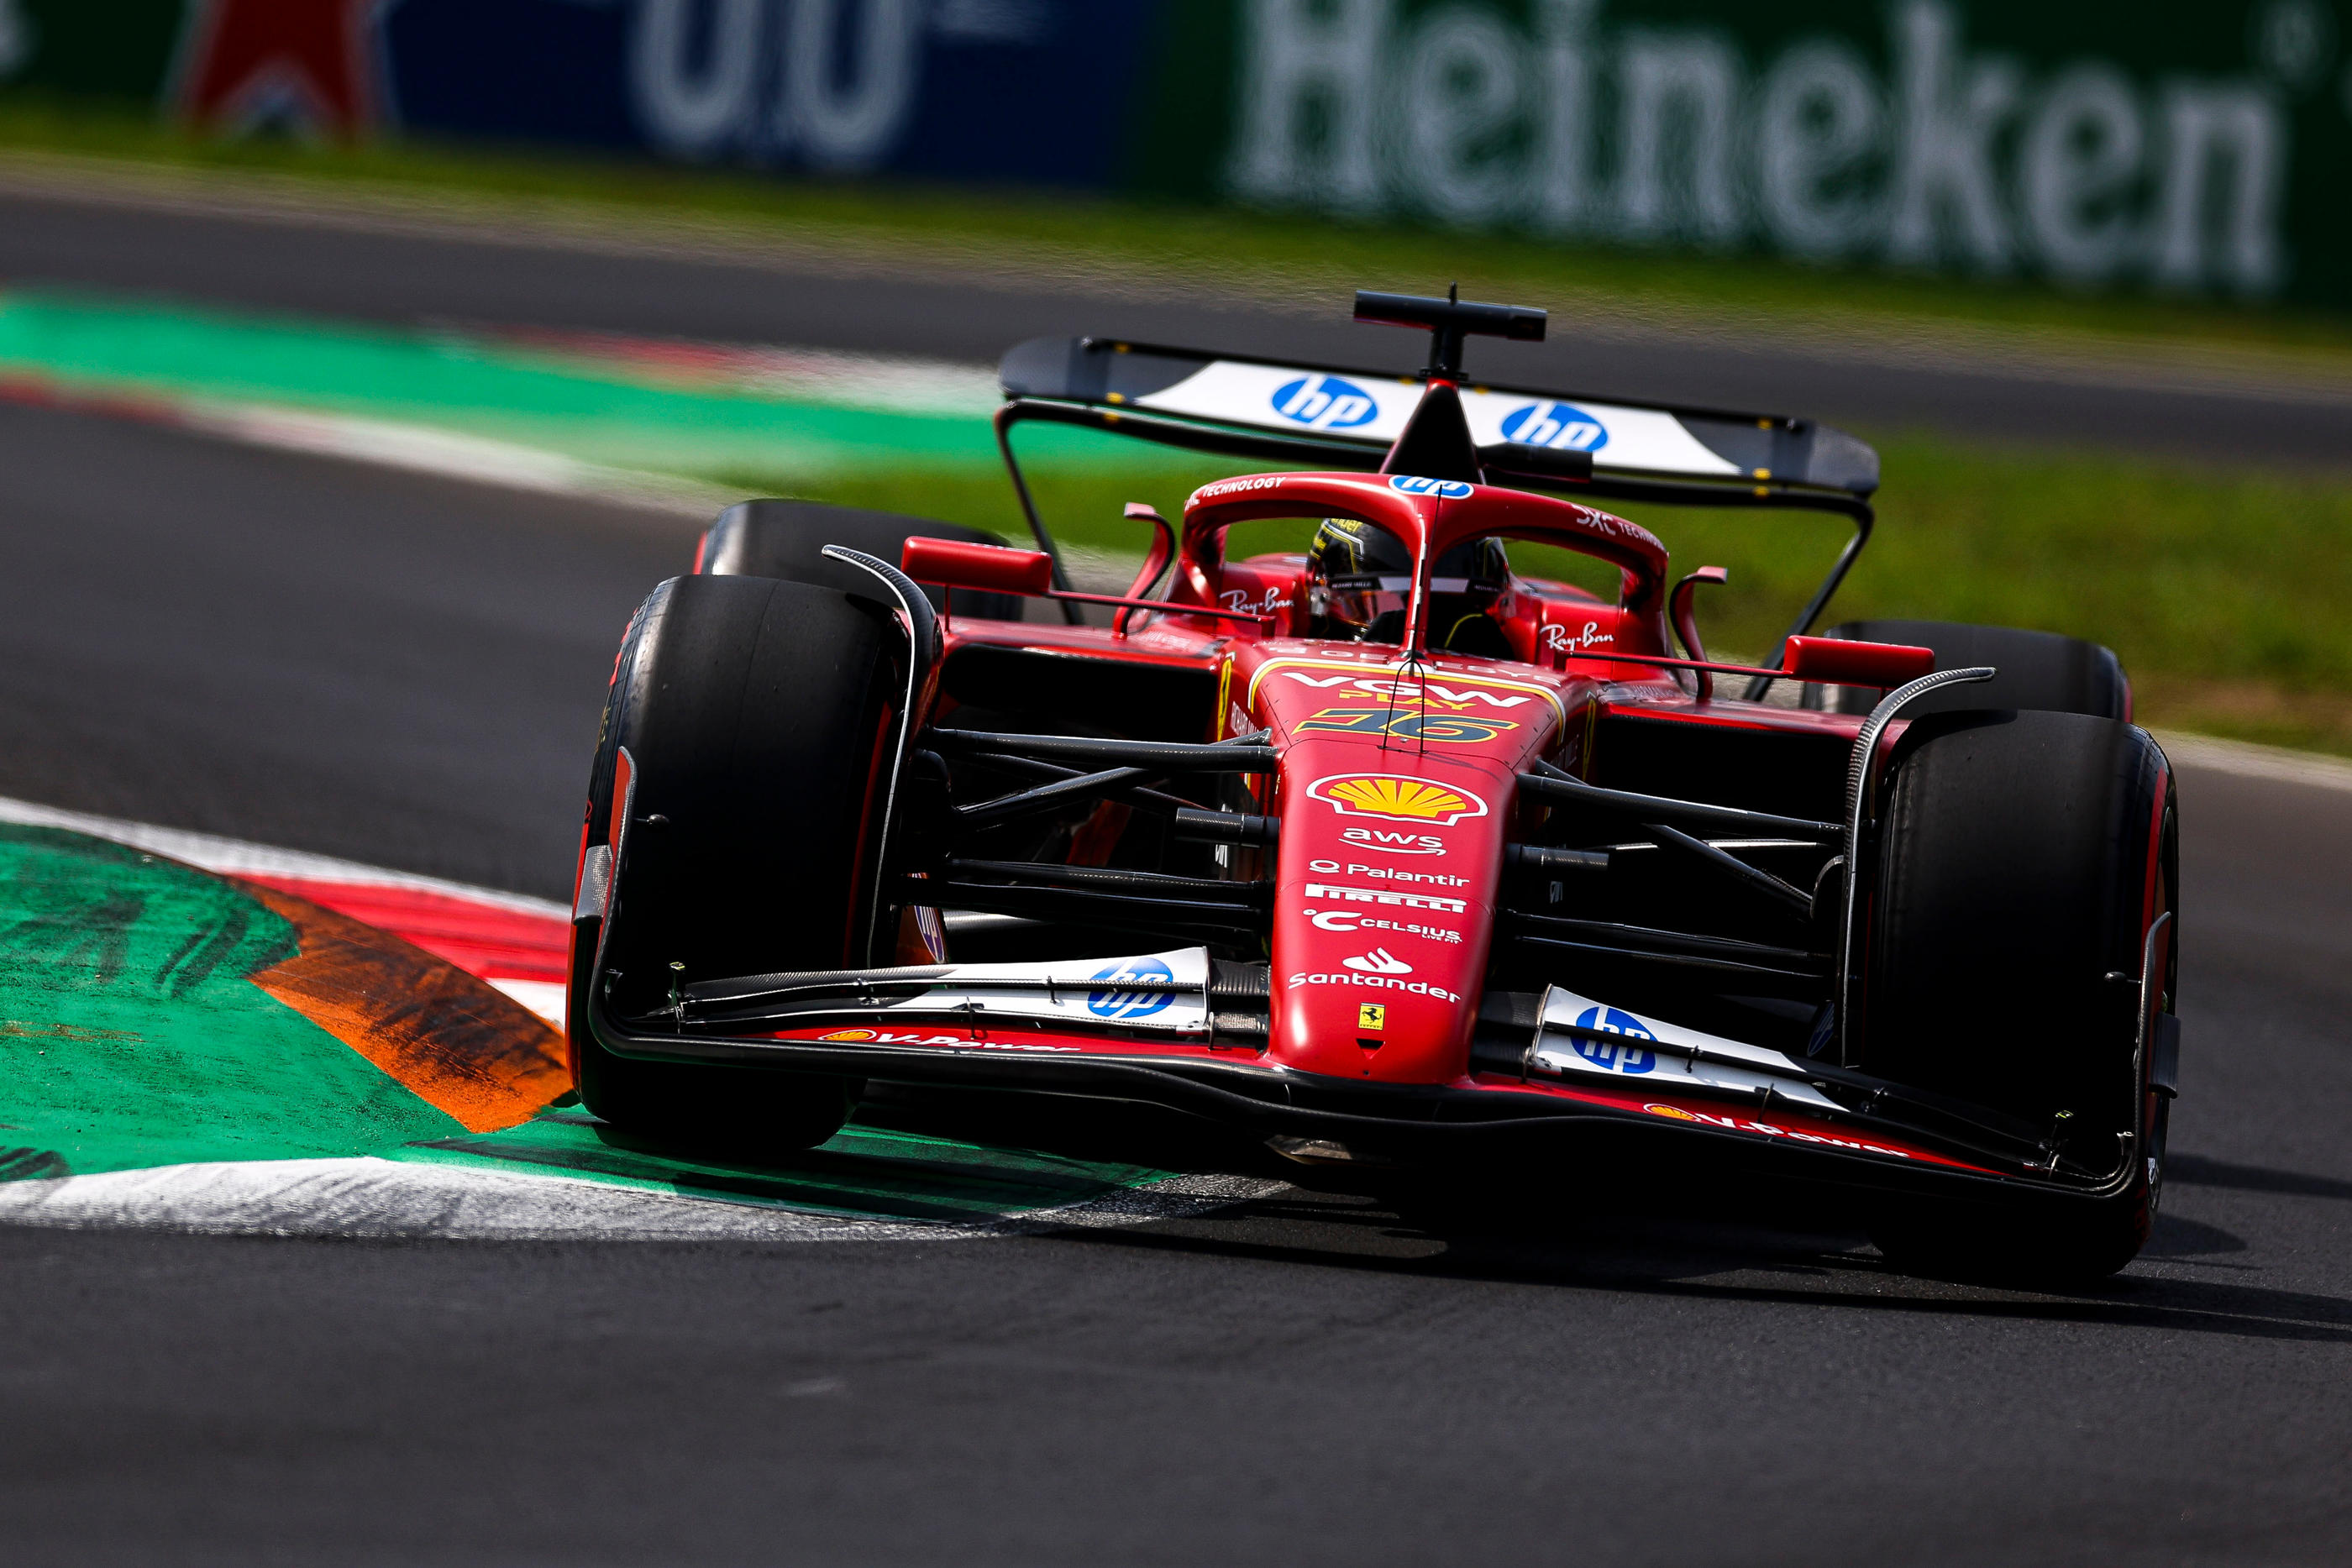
(1557, 425)
(1125, 1004)
(1325, 402)
(1414, 485)
(1616, 1055)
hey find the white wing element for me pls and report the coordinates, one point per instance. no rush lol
(1160, 992)
(1583, 1038)
(1375, 409)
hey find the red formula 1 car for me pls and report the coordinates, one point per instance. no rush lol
(1384, 853)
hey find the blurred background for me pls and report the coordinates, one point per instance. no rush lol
(364, 363)
(2082, 272)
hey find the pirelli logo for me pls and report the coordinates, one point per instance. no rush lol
(1382, 895)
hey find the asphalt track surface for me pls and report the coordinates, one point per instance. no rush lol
(371, 272)
(407, 670)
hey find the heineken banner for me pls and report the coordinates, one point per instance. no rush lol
(2157, 145)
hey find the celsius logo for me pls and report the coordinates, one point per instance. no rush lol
(1560, 424)
(1325, 402)
(1379, 961)
(1446, 489)
(1615, 1055)
(1121, 1004)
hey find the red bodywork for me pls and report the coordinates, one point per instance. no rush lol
(1398, 789)
(1381, 932)
(1397, 792)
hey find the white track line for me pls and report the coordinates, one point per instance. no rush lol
(2247, 761)
(449, 454)
(391, 1199)
(237, 857)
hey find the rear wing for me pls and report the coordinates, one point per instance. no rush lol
(1333, 417)
(1345, 418)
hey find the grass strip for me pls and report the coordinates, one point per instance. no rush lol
(1258, 254)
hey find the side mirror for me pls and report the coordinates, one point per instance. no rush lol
(1833, 662)
(990, 569)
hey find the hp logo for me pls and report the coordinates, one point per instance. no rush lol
(1620, 1055)
(1560, 424)
(1120, 1004)
(1326, 402)
(1411, 484)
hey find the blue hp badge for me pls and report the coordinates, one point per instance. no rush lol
(1619, 1055)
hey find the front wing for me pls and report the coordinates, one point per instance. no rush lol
(1537, 1084)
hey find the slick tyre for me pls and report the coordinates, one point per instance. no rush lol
(2039, 670)
(787, 538)
(2024, 859)
(743, 747)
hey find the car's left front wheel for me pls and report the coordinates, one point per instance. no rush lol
(738, 775)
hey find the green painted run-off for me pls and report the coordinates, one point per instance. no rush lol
(131, 1037)
(599, 410)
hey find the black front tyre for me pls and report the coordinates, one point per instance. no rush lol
(2024, 860)
(743, 738)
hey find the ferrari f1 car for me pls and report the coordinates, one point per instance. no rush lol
(1385, 854)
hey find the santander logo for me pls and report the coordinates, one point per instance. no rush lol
(1379, 961)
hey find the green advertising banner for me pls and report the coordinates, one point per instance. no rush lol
(2197, 149)
(2192, 148)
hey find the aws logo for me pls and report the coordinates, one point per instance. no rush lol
(1326, 402)
(1382, 841)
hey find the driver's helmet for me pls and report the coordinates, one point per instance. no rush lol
(1362, 578)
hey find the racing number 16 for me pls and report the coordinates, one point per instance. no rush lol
(1436, 726)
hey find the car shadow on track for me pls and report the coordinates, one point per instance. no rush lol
(2196, 1170)
(1661, 1252)
(1605, 1228)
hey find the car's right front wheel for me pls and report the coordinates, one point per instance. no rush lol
(2026, 876)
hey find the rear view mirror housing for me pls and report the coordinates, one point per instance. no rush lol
(1834, 661)
(989, 569)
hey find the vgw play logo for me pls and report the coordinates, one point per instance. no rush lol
(1325, 402)
(1561, 425)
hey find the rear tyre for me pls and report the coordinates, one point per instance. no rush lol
(2039, 670)
(787, 538)
(751, 717)
(2024, 858)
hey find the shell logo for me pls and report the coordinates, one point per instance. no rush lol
(1676, 1111)
(841, 1034)
(1397, 799)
